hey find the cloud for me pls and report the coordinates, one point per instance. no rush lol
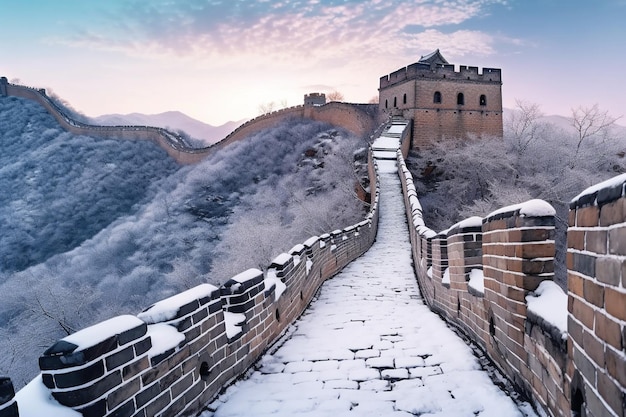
(288, 31)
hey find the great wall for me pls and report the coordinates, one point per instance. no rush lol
(357, 118)
(177, 355)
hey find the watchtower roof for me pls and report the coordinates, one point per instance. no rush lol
(433, 58)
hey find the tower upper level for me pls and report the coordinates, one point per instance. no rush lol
(434, 66)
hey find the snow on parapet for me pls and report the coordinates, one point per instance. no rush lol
(35, 400)
(549, 303)
(272, 280)
(167, 309)
(476, 281)
(234, 323)
(602, 193)
(95, 334)
(247, 275)
(531, 208)
(164, 338)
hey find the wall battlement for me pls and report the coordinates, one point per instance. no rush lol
(442, 71)
(487, 277)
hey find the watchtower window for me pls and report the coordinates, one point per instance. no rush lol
(395, 102)
(437, 97)
(483, 100)
(460, 99)
(404, 99)
(386, 104)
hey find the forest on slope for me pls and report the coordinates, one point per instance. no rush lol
(549, 158)
(93, 228)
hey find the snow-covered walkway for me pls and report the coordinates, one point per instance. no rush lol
(369, 346)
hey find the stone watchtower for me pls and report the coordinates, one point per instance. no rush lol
(442, 102)
(315, 99)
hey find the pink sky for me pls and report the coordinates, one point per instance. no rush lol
(219, 61)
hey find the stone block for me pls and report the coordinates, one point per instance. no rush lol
(571, 218)
(583, 364)
(123, 393)
(613, 213)
(143, 346)
(594, 293)
(120, 358)
(585, 264)
(582, 311)
(175, 407)
(97, 409)
(608, 195)
(587, 216)
(536, 235)
(170, 378)
(615, 303)
(159, 404)
(617, 241)
(7, 391)
(576, 239)
(78, 397)
(608, 329)
(80, 376)
(147, 394)
(133, 369)
(63, 354)
(611, 393)
(594, 348)
(609, 270)
(182, 385)
(126, 410)
(616, 366)
(575, 330)
(535, 250)
(575, 284)
(596, 241)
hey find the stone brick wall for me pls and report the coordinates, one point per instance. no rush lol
(176, 356)
(170, 142)
(580, 370)
(359, 119)
(518, 254)
(596, 259)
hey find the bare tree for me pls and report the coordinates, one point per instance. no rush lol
(373, 100)
(265, 108)
(524, 125)
(591, 122)
(335, 96)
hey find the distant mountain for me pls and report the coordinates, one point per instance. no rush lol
(565, 123)
(172, 120)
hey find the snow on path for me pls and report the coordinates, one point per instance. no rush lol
(369, 346)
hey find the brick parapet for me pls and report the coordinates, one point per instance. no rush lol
(596, 256)
(514, 248)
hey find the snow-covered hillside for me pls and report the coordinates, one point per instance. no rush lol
(113, 226)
